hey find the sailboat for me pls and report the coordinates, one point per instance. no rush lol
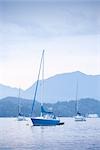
(47, 118)
(79, 116)
(20, 117)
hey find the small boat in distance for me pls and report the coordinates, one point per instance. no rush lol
(79, 116)
(47, 118)
(92, 116)
(20, 117)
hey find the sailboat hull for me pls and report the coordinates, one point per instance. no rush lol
(44, 122)
(21, 118)
(80, 118)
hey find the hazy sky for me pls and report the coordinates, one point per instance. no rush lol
(68, 30)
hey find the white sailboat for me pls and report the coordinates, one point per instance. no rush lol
(79, 116)
(20, 117)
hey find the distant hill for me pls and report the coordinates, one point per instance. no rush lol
(9, 107)
(6, 91)
(61, 87)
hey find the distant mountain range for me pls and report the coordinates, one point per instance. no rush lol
(9, 107)
(61, 87)
(6, 91)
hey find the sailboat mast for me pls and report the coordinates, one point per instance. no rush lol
(19, 107)
(42, 86)
(37, 82)
(77, 109)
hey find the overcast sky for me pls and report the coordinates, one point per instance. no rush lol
(68, 30)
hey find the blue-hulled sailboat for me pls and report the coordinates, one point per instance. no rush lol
(47, 118)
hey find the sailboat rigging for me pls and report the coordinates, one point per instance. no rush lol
(47, 118)
(20, 115)
(79, 116)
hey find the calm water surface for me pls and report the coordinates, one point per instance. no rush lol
(21, 135)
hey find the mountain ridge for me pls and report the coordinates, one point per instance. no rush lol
(61, 87)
